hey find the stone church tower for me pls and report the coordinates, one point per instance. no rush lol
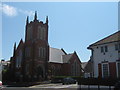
(31, 57)
(36, 48)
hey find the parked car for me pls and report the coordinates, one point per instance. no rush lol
(0, 84)
(69, 80)
(117, 86)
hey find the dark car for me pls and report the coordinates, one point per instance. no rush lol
(117, 86)
(69, 81)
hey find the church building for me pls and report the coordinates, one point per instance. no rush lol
(33, 58)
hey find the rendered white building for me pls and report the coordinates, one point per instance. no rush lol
(106, 56)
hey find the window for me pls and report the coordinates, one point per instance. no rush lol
(20, 58)
(27, 69)
(105, 70)
(29, 33)
(102, 50)
(44, 33)
(116, 46)
(17, 59)
(27, 51)
(41, 33)
(74, 69)
(42, 52)
(106, 49)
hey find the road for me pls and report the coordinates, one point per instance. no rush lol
(71, 86)
(58, 86)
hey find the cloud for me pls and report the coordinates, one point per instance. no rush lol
(29, 13)
(8, 10)
(13, 11)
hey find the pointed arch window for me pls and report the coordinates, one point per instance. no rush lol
(27, 51)
(42, 52)
(29, 33)
(41, 33)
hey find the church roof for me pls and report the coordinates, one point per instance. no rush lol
(55, 55)
(67, 57)
(59, 55)
(20, 43)
(111, 38)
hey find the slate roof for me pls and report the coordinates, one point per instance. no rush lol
(55, 55)
(67, 57)
(59, 55)
(88, 67)
(111, 38)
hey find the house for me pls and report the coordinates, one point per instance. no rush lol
(106, 56)
(34, 59)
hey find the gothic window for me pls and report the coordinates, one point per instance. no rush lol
(41, 33)
(42, 52)
(27, 69)
(17, 59)
(27, 51)
(20, 58)
(44, 33)
(74, 68)
(29, 33)
(78, 69)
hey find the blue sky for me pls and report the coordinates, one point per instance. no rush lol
(72, 26)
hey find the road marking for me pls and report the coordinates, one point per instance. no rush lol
(55, 86)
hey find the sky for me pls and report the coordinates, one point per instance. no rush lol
(73, 26)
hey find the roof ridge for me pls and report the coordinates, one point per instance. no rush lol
(97, 42)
